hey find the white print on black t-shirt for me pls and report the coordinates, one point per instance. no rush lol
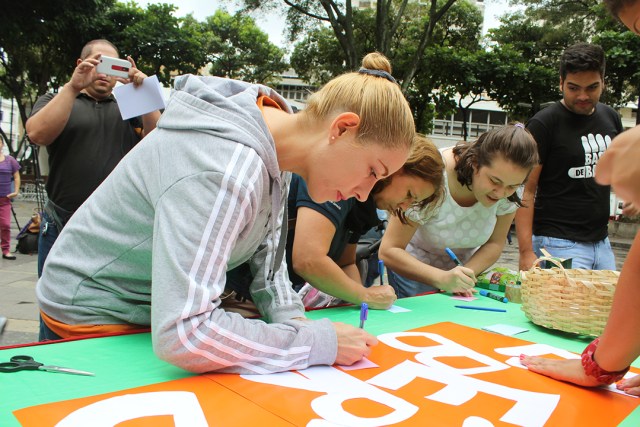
(594, 146)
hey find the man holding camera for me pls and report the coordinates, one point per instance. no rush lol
(85, 137)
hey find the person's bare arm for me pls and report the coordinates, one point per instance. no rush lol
(47, 124)
(489, 253)
(618, 166)
(314, 233)
(619, 343)
(395, 256)
(16, 182)
(347, 262)
(524, 220)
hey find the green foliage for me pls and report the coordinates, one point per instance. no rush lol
(532, 41)
(159, 42)
(238, 49)
(39, 42)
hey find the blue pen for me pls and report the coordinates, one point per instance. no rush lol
(381, 271)
(496, 297)
(473, 307)
(364, 310)
(453, 256)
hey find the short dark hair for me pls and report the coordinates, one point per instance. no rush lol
(615, 6)
(512, 142)
(582, 57)
(88, 48)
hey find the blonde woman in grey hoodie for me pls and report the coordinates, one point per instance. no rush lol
(206, 193)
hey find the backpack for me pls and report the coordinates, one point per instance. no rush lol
(28, 236)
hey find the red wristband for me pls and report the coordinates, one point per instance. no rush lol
(592, 369)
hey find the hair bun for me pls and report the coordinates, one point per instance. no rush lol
(376, 61)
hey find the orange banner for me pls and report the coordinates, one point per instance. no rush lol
(441, 375)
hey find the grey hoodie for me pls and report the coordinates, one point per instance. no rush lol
(198, 196)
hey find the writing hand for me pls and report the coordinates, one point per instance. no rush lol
(458, 280)
(380, 297)
(353, 343)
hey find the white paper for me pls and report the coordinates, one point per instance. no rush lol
(461, 298)
(136, 101)
(363, 363)
(396, 309)
(504, 329)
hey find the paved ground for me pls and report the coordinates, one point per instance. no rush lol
(18, 279)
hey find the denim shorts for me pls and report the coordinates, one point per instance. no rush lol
(587, 255)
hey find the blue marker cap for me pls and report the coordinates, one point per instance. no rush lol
(453, 256)
(364, 310)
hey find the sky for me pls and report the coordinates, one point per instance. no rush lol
(273, 24)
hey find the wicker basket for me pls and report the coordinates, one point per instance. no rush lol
(570, 300)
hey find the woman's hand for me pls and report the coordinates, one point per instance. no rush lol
(459, 280)
(353, 343)
(380, 297)
(569, 370)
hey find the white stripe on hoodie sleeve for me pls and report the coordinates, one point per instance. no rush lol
(190, 263)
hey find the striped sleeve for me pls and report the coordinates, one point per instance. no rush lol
(189, 268)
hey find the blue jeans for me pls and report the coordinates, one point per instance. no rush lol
(48, 234)
(406, 287)
(47, 334)
(586, 255)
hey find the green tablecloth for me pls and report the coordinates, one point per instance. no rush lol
(128, 361)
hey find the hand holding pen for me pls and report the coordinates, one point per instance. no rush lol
(459, 280)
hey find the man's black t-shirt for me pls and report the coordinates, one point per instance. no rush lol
(91, 144)
(569, 203)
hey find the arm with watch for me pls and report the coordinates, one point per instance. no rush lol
(608, 357)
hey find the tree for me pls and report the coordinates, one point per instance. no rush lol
(318, 57)
(38, 42)
(238, 49)
(390, 16)
(532, 42)
(160, 43)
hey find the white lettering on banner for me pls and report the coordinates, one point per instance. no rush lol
(533, 350)
(531, 409)
(427, 355)
(339, 387)
(182, 405)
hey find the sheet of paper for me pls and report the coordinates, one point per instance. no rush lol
(503, 329)
(396, 309)
(362, 364)
(136, 101)
(461, 298)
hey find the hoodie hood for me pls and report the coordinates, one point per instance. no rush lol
(211, 98)
(206, 103)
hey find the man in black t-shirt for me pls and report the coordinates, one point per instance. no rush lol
(85, 137)
(570, 214)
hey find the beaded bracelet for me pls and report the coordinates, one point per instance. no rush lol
(592, 369)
